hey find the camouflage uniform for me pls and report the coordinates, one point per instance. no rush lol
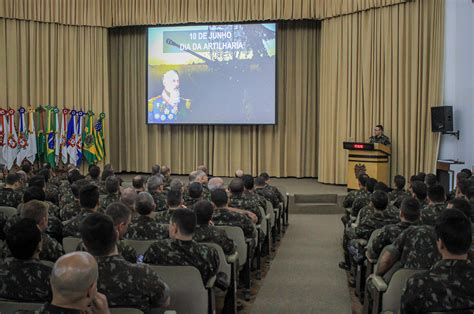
(211, 234)
(124, 250)
(448, 285)
(206, 193)
(70, 210)
(224, 217)
(146, 228)
(109, 199)
(257, 198)
(164, 217)
(25, 280)
(430, 213)
(396, 194)
(351, 196)
(10, 197)
(276, 192)
(184, 253)
(51, 250)
(160, 200)
(66, 199)
(166, 181)
(71, 226)
(269, 195)
(189, 201)
(382, 139)
(373, 221)
(387, 235)
(54, 229)
(242, 202)
(130, 285)
(51, 192)
(362, 200)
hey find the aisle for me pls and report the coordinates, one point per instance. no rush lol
(304, 276)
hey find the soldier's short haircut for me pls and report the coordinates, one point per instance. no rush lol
(236, 186)
(379, 199)
(154, 182)
(379, 126)
(35, 210)
(380, 186)
(174, 198)
(37, 181)
(34, 193)
(23, 238)
(463, 186)
(203, 168)
(77, 185)
(107, 173)
(185, 219)
(454, 229)
(12, 178)
(89, 196)
(112, 184)
(410, 209)
(192, 176)
(461, 175)
(421, 175)
(362, 178)
(195, 190)
(155, 169)
(265, 175)
(260, 181)
(420, 190)
(430, 180)
(467, 171)
(203, 210)
(94, 172)
(371, 182)
(26, 166)
(138, 182)
(128, 196)
(45, 173)
(165, 170)
(98, 234)
(74, 175)
(118, 212)
(415, 177)
(463, 205)
(176, 184)
(436, 194)
(144, 203)
(219, 197)
(248, 181)
(400, 182)
(215, 184)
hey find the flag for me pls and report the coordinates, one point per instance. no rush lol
(22, 138)
(50, 138)
(3, 126)
(63, 136)
(10, 150)
(41, 141)
(71, 138)
(31, 136)
(56, 135)
(99, 137)
(80, 114)
(88, 141)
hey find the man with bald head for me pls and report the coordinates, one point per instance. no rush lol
(239, 173)
(127, 197)
(215, 183)
(138, 183)
(74, 286)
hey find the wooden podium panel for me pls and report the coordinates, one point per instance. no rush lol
(372, 159)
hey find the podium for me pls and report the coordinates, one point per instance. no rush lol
(372, 159)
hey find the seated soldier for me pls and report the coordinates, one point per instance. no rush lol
(155, 187)
(409, 216)
(112, 187)
(51, 190)
(128, 197)
(10, 195)
(200, 177)
(89, 200)
(39, 181)
(272, 188)
(138, 183)
(463, 205)
(174, 200)
(449, 284)
(108, 172)
(238, 200)
(155, 170)
(363, 199)
(461, 175)
(419, 191)
(65, 193)
(249, 191)
(352, 195)
(73, 208)
(216, 183)
(27, 167)
(181, 250)
(462, 189)
(23, 277)
(391, 210)
(207, 232)
(94, 174)
(430, 180)
(175, 184)
(144, 226)
(194, 194)
(74, 286)
(436, 204)
(166, 173)
(399, 193)
(125, 284)
(268, 194)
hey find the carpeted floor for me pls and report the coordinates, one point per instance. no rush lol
(304, 276)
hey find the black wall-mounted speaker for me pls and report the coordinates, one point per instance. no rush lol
(442, 119)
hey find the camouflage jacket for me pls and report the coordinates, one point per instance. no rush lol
(66, 199)
(382, 139)
(373, 221)
(51, 250)
(70, 210)
(224, 217)
(25, 280)
(362, 200)
(189, 201)
(387, 235)
(53, 209)
(247, 203)
(447, 286)
(416, 248)
(184, 253)
(71, 226)
(430, 213)
(164, 217)
(206, 193)
(51, 192)
(109, 199)
(146, 228)
(269, 195)
(10, 197)
(55, 227)
(277, 192)
(259, 199)
(130, 285)
(126, 251)
(160, 200)
(3, 221)
(211, 234)
(351, 196)
(395, 194)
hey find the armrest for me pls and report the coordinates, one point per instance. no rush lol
(210, 283)
(232, 258)
(267, 216)
(354, 225)
(379, 283)
(362, 242)
(248, 241)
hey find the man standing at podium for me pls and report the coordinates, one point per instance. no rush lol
(378, 136)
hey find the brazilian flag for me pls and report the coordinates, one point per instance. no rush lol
(50, 136)
(89, 150)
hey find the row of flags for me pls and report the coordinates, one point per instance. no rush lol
(66, 136)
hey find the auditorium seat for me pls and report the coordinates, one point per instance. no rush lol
(8, 211)
(70, 244)
(140, 246)
(11, 307)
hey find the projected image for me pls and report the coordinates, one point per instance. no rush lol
(212, 74)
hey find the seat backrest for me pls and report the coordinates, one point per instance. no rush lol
(374, 234)
(8, 211)
(392, 297)
(263, 223)
(10, 307)
(70, 244)
(237, 234)
(140, 246)
(188, 294)
(124, 310)
(271, 212)
(223, 265)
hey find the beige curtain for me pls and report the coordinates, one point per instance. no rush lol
(108, 13)
(43, 63)
(287, 149)
(381, 66)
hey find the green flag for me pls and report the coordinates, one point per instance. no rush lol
(41, 140)
(89, 150)
(99, 137)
